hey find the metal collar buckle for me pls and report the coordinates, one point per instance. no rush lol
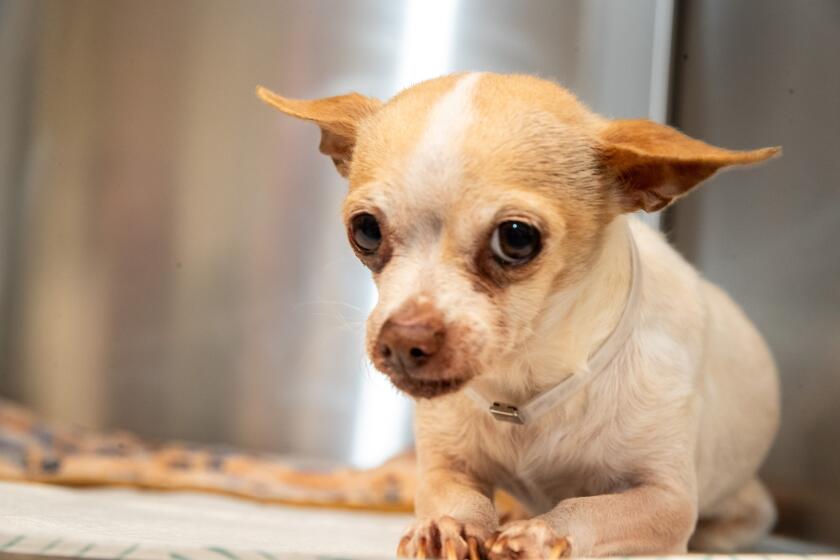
(506, 413)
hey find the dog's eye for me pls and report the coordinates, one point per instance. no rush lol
(366, 235)
(515, 242)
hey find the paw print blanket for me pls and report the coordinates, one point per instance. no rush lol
(35, 451)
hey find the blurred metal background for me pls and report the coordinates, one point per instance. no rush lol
(171, 255)
(175, 262)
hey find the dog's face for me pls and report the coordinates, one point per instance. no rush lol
(475, 198)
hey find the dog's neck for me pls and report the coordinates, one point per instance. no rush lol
(573, 326)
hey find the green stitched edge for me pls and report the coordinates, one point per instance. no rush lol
(223, 552)
(127, 551)
(50, 546)
(12, 542)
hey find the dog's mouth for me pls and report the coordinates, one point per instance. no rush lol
(427, 388)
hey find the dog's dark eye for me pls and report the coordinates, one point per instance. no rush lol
(365, 233)
(515, 242)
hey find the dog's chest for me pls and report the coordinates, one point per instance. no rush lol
(548, 462)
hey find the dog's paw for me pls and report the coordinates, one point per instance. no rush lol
(526, 540)
(443, 537)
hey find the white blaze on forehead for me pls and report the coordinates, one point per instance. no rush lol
(436, 161)
(432, 171)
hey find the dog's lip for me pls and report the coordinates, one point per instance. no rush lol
(427, 388)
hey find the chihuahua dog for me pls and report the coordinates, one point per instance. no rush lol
(555, 346)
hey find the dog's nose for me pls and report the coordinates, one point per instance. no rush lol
(410, 340)
(407, 348)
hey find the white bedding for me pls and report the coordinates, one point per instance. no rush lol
(108, 523)
(122, 523)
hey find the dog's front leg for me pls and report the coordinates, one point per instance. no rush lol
(646, 519)
(455, 516)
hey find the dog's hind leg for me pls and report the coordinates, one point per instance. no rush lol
(737, 522)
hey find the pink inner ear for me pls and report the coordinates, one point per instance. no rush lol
(656, 164)
(338, 118)
(338, 148)
(649, 201)
(653, 185)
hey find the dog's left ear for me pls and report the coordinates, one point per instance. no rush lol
(654, 164)
(338, 118)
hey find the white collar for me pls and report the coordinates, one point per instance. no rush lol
(542, 403)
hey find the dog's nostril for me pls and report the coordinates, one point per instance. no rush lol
(407, 348)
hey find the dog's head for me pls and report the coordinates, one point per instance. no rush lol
(475, 197)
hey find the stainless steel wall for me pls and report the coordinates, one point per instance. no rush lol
(173, 257)
(768, 73)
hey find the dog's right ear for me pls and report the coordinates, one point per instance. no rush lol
(338, 117)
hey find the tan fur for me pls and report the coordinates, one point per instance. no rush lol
(657, 164)
(338, 118)
(678, 423)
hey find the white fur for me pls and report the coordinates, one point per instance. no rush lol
(434, 166)
(431, 179)
(636, 424)
(674, 428)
